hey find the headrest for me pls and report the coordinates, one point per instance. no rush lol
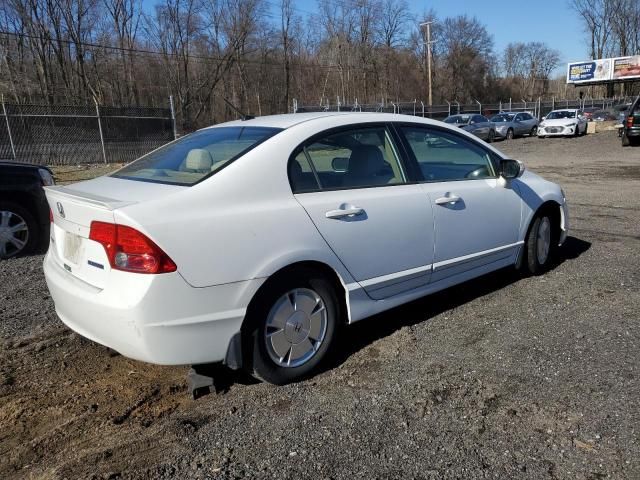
(198, 159)
(366, 160)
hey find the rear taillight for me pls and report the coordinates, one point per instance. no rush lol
(50, 215)
(129, 250)
(630, 121)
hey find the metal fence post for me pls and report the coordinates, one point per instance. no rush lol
(173, 115)
(104, 152)
(6, 117)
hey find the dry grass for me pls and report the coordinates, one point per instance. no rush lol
(66, 174)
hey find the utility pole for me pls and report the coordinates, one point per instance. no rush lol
(427, 42)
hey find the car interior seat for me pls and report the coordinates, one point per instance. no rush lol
(197, 160)
(367, 167)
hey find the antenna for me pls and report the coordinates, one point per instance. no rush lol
(237, 110)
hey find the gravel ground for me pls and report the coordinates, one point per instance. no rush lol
(502, 377)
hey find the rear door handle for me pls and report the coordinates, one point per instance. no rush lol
(448, 200)
(344, 212)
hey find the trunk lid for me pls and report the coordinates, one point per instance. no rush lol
(73, 209)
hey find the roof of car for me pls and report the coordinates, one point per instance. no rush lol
(288, 120)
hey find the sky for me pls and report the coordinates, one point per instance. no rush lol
(548, 21)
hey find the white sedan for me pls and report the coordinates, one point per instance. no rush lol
(253, 242)
(563, 123)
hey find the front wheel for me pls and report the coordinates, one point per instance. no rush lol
(491, 136)
(533, 132)
(509, 134)
(539, 244)
(293, 327)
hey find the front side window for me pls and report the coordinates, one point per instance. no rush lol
(355, 158)
(195, 156)
(443, 156)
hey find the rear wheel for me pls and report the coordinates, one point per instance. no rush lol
(18, 230)
(293, 326)
(539, 244)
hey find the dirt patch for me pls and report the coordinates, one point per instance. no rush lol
(502, 377)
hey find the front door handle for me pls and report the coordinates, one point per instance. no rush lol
(448, 199)
(344, 212)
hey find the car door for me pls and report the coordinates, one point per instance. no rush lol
(483, 126)
(520, 124)
(354, 188)
(477, 214)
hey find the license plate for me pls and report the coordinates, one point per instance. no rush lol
(72, 244)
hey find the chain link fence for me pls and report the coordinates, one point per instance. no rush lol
(69, 135)
(538, 108)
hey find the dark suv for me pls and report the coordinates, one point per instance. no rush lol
(24, 212)
(631, 125)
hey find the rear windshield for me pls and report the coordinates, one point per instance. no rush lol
(195, 156)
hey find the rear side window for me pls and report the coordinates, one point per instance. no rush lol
(195, 156)
(443, 156)
(355, 158)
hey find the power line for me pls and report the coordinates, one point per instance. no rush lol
(175, 54)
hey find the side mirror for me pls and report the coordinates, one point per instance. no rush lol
(340, 164)
(511, 169)
(543, 119)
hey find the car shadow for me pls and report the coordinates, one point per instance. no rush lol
(357, 336)
(361, 334)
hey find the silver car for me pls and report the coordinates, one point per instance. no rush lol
(474, 123)
(512, 124)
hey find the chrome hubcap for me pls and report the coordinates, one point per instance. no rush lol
(14, 234)
(296, 327)
(543, 240)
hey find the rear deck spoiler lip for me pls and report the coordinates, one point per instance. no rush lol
(84, 197)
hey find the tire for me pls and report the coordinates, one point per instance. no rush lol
(625, 140)
(19, 233)
(292, 327)
(577, 132)
(540, 244)
(533, 132)
(509, 135)
(586, 127)
(492, 135)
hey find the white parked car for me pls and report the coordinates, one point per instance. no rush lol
(253, 242)
(565, 123)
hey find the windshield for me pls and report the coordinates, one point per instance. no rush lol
(561, 114)
(457, 119)
(195, 156)
(503, 117)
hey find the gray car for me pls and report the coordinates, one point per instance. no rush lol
(474, 123)
(512, 124)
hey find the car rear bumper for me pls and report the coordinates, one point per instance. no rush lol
(153, 318)
(633, 132)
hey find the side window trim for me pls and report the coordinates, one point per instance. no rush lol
(398, 151)
(494, 159)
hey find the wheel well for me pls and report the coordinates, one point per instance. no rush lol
(25, 200)
(308, 266)
(552, 209)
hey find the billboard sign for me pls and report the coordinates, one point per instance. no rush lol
(589, 71)
(626, 67)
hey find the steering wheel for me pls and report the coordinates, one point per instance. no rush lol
(480, 172)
